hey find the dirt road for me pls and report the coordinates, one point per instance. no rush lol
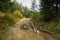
(16, 33)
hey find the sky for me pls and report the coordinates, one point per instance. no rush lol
(27, 3)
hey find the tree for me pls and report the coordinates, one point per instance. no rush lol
(4, 5)
(26, 12)
(35, 6)
(50, 9)
(15, 6)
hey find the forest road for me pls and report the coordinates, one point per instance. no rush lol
(25, 34)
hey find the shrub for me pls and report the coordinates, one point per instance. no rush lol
(10, 19)
(37, 17)
(57, 29)
(1, 15)
(7, 20)
(18, 14)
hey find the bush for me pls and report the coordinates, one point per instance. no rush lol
(7, 20)
(1, 15)
(57, 29)
(37, 17)
(10, 19)
(18, 14)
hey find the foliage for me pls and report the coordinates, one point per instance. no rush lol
(7, 20)
(4, 5)
(36, 16)
(57, 30)
(50, 9)
(51, 15)
(15, 6)
(8, 6)
(33, 5)
(18, 14)
(26, 12)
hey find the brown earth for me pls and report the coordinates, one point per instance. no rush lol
(27, 33)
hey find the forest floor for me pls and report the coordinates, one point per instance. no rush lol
(27, 34)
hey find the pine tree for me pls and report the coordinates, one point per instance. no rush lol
(4, 5)
(33, 5)
(50, 8)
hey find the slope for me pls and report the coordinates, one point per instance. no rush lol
(23, 30)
